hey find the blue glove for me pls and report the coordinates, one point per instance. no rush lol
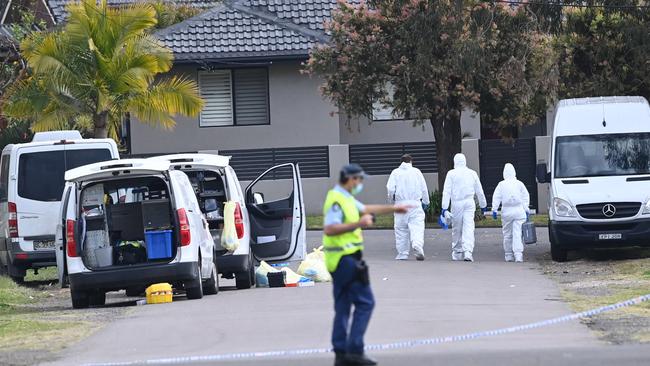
(494, 215)
(425, 207)
(443, 212)
(442, 222)
(484, 209)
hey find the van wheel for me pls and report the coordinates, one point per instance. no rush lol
(80, 299)
(134, 291)
(246, 279)
(211, 286)
(194, 289)
(97, 298)
(559, 254)
(17, 274)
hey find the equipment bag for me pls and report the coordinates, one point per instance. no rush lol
(528, 233)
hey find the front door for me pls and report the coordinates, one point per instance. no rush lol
(277, 214)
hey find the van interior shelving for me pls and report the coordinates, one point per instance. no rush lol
(127, 222)
(210, 191)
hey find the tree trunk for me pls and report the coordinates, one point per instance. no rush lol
(100, 122)
(448, 143)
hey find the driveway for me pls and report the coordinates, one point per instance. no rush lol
(415, 300)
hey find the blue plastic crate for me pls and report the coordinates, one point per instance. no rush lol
(159, 244)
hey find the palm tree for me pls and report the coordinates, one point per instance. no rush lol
(101, 65)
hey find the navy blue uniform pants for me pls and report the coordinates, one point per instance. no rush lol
(347, 336)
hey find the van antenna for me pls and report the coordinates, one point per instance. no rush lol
(604, 120)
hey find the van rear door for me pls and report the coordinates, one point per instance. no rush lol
(39, 180)
(277, 214)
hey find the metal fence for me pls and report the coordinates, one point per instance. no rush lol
(381, 159)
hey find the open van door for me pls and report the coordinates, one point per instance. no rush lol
(67, 201)
(277, 214)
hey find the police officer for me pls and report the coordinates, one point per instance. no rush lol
(344, 217)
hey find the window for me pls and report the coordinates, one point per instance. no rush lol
(602, 155)
(382, 112)
(234, 97)
(4, 178)
(50, 166)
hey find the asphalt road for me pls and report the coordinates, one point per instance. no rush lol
(415, 300)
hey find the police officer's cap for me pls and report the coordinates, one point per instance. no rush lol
(352, 170)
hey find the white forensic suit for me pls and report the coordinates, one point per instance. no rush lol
(512, 195)
(406, 185)
(461, 185)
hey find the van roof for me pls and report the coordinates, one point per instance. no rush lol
(585, 116)
(106, 168)
(601, 100)
(11, 147)
(198, 158)
(56, 136)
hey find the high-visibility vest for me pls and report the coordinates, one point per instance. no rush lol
(337, 246)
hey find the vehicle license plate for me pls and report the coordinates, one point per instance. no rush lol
(610, 236)
(43, 244)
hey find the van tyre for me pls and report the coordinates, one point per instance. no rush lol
(97, 298)
(211, 286)
(80, 299)
(559, 254)
(194, 289)
(134, 291)
(246, 279)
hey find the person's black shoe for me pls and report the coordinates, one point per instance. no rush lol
(340, 360)
(352, 359)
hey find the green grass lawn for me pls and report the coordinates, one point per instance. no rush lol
(315, 222)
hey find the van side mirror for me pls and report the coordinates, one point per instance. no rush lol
(542, 173)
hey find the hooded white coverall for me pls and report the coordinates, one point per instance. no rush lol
(461, 185)
(406, 185)
(514, 198)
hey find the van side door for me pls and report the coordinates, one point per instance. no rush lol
(275, 206)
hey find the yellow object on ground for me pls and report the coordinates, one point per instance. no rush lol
(229, 239)
(159, 293)
(313, 267)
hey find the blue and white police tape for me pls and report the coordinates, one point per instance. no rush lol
(379, 347)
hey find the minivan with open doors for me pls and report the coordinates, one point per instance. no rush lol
(269, 217)
(128, 224)
(31, 182)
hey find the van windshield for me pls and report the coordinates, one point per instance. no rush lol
(41, 174)
(602, 155)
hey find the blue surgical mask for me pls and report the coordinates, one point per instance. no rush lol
(356, 190)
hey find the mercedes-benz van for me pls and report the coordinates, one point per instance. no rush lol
(599, 174)
(31, 183)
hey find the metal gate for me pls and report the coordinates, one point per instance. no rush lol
(494, 154)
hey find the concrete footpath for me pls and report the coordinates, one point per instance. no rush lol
(415, 300)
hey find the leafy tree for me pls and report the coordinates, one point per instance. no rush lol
(101, 65)
(438, 58)
(605, 51)
(168, 14)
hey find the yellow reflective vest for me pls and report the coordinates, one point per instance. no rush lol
(337, 246)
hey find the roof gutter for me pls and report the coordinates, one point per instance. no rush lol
(241, 61)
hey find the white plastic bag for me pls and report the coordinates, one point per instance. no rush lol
(292, 277)
(229, 239)
(260, 274)
(313, 267)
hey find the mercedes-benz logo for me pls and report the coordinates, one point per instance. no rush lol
(609, 210)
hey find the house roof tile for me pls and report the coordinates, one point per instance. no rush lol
(57, 7)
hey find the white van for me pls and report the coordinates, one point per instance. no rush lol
(128, 224)
(599, 174)
(31, 182)
(270, 215)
